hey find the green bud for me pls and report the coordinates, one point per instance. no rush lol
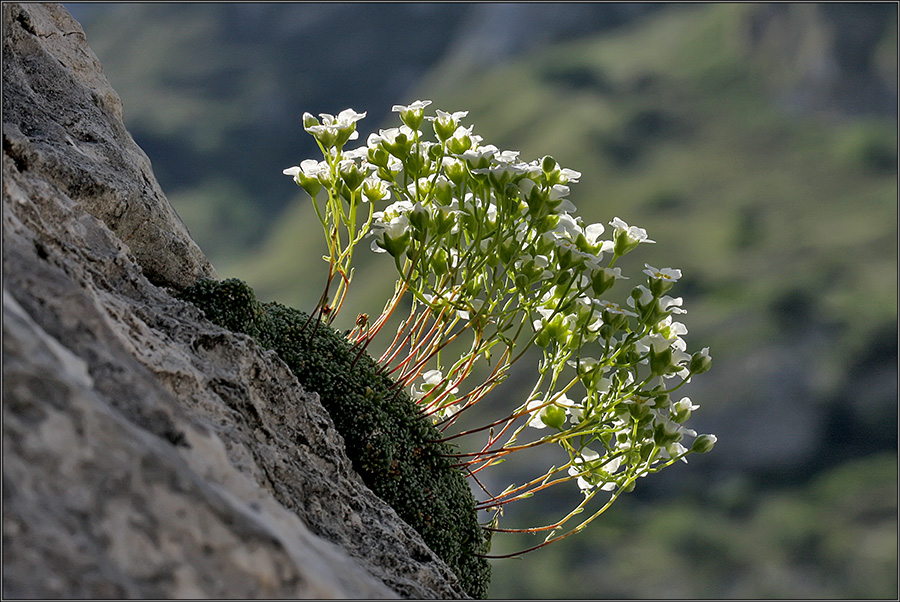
(660, 286)
(345, 191)
(543, 338)
(378, 156)
(624, 243)
(553, 416)
(638, 410)
(353, 177)
(548, 164)
(396, 247)
(649, 450)
(400, 147)
(373, 192)
(413, 118)
(327, 137)
(458, 146)
(616, 320)
(343, 135)
(455, 171)
(439, 261)
(700, 361)
(703, 443)
(309, 120)
(419, 218)
(312, 186)
(444, 129)
(522, 282)
(602, 281)
(507, 251)
(660, 363)
(664, 437)
(607, 331)
(443, 192)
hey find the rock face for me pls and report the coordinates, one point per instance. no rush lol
(61, 118)
(146, 452)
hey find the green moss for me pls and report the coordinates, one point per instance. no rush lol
(389, 444)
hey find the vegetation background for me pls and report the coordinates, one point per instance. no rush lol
(757, 144)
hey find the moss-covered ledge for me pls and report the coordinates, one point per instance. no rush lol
(390, 445)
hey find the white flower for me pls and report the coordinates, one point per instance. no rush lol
(570, 175)
(593, 232)
(674, 450)
(534, 407)
(342, 125)
(627, 237)
(670, 329)
(358, 154)
(684, 405)
(480, 157)
(389, 136)
(446, 119)
(567, 227)
(615, 308)
(672, 305)
(507, 156)
(393, 222)
(415, 106)
(589, 456)
(431, 379)
(664, 273)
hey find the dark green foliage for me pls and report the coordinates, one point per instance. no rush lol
(387, 441)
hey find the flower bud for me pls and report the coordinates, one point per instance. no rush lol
(703, 443)
(602, 280)
(455, 170)
(353, 177)
(664, 436)
(375, 190)
(378, 156)
(309, 121)
(439, 262)
(553, 416)
(638, 410)
(443, 192)
(459, 144)
(660, 362)
(606, 332)
(419, 218)
(700, 361)
(396, 246)
(660, 286)
(681, 410)
(548, 164)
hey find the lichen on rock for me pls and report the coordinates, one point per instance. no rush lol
(390, 444)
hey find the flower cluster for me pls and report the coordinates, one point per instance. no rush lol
(493, 260)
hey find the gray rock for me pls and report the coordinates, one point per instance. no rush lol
(146, 452)
(62, 118)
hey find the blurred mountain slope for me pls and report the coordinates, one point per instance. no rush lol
(214, 92)
(757, 143)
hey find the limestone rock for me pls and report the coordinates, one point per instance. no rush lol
(146, 452)
(62, 118)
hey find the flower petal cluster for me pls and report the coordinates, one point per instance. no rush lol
(492, 256)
